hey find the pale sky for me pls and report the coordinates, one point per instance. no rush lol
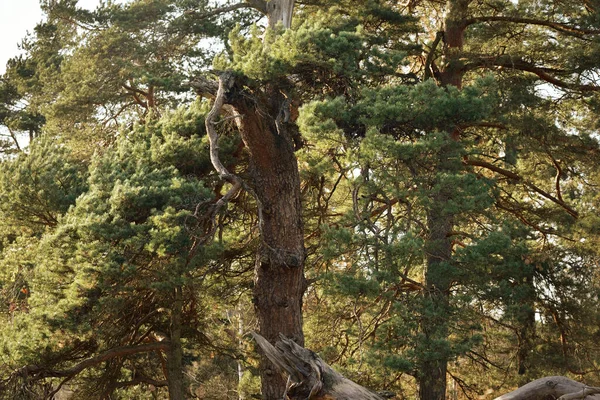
(17, 17)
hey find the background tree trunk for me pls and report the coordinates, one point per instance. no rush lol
(434, 315)
(440, 224)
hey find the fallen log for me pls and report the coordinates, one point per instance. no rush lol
(309, 377)
(553, 387)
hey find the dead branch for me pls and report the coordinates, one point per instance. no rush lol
(309, 377)
(553, 387)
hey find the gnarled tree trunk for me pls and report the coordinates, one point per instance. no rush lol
(263, 118)
(279, 280)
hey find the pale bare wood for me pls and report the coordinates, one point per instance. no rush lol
(556, 387)
(280, 11)
(309, 377)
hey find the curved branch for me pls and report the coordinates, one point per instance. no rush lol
(431, 55)
(543, 73)
(518, 178)
(37, 372)
(564, 28)
(226, 81)
(259, 5)
(559, 173)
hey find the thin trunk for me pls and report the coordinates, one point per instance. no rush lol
(175, 353)
(279, 280)
(15, 140)
(526, 333)
(434, 318)
(240, 338)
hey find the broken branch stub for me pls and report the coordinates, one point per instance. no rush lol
(310, 378)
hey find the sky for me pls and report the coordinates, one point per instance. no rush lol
(17, 17)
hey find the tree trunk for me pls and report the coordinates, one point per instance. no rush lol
(280, 11)
(175, 352)
(266, 130)
(440, 224)
(310, 378)
(526, 332)
(434, 315)
(279, 280)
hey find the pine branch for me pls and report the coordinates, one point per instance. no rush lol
(518, 178)
(36, 372)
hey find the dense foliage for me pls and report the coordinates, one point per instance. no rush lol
(448, 155)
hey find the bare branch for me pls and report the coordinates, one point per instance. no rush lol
(14, 138)
(309, 376)
(226, 81)
(259, 5)
(559, 173)
(564, 28)
(545, 74)
(205, 87)
(431, 55)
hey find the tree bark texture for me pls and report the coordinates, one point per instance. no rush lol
(279, 279)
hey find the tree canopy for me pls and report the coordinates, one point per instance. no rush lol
(410, 189)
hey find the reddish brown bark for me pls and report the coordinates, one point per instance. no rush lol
(279, 280)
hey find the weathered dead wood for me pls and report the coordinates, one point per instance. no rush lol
(553, 387)
(309, 377)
